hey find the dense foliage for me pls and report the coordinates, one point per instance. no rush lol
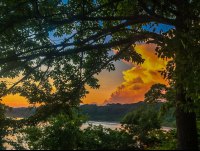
(101, 138)
(142, 131)
(141, 123)
(163, 141)
(64, 133)
(4, 124)
(57, 134)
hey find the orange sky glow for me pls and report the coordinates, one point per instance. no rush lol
(127, 84)
(137, 80)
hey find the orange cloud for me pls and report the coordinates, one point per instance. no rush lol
(140, 78)
(128, 87)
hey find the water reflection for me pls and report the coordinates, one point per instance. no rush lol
(113, 126)
(110, 125)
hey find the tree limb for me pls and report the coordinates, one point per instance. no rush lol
(7, 91)
(158, 17)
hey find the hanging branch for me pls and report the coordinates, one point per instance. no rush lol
(81, 63)
(44, 74)
(7, 91)
(97, 71)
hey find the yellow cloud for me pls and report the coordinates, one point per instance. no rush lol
(140, 78)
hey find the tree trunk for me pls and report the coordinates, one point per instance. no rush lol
(186, 125)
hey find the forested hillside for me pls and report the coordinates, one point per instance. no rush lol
(20, 112)
(115, 112)
(110, 112)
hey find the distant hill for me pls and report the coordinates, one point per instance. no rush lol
(110, 112)
(20, 112)
(115, 112)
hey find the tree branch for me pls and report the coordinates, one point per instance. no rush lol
(141, 19)
(160, 18)
(165, 7)
(104, 5)
(43, 75)
(145, 18)
(137, 37)
(23, 63)
(7, 91)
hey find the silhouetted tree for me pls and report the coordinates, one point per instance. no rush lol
(81, 51)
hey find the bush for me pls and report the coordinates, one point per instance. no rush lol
(141, 123)
(165, 141)
(64, 133)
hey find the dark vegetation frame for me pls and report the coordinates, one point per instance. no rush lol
(26, 48)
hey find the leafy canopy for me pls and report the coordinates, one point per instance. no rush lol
(81, 50)
(140, 123)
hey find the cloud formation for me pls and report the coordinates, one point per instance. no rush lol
(140, 78)
(129, 89)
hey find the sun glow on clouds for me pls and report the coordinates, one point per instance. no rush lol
(129, 89)
(140, 78)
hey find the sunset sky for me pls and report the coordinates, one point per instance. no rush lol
(130, 81)
(127, 84)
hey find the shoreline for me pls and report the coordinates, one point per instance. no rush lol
(117, 123)
(107, 122)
